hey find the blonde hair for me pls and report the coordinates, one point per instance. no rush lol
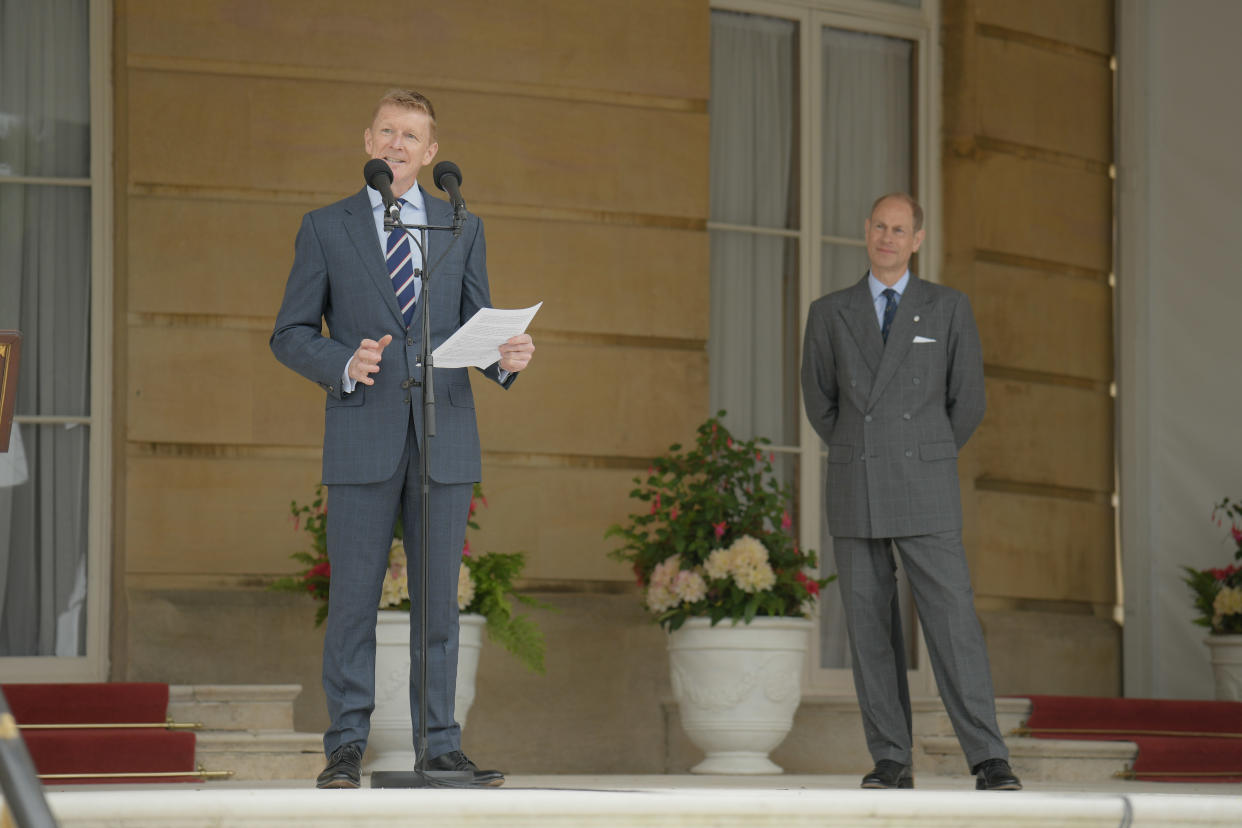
(407, 99)
(914, 206)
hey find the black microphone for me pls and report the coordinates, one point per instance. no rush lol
(447, 176)
(378, 176)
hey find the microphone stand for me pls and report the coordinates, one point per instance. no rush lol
(421, 776)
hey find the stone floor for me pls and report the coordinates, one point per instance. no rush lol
(789, 801)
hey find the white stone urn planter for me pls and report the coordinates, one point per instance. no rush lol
(1226, 654)
(737, 688)
(391, 743)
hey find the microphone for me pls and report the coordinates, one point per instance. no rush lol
(447, 176)
(378, 175)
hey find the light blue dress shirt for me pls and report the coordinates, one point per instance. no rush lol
(877, 293)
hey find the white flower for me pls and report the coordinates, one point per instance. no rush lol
(748, 553)
(719, 564)
(755, 578)
(690, 587)
(465, 588)
(1228, 601)
(660, 597)
(396, 587)
(665, 572)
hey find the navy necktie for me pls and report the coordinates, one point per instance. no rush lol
(399, 254)
(890, 310)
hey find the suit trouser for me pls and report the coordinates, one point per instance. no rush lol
(940, 581)
(360, 529)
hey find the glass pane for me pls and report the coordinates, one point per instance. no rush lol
(753, 346)
(753, 120)
(45, 283)
(43, 528)
(44, 88)
(834, 646)
(841, 266)
(868, 125)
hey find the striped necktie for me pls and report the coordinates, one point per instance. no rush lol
(399, 254)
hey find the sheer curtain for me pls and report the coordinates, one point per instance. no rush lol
(754, 298)
(45, 281)
(866, 139)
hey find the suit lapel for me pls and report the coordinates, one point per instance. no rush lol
(439, 214)
(360, 225)
(900, 336)
(859, 315)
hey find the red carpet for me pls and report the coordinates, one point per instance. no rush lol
(1179, 741)
(101, 755)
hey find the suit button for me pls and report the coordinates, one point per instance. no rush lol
(916, 380)
(853, 383)
(909, 453)
(406, 400)
(905, 416)
(409, 340)
(867, 418)
(406, 383)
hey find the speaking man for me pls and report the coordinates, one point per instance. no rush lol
(365, 284)
(892, 378)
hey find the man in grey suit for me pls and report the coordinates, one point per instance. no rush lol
(365, 284)
(892, 378)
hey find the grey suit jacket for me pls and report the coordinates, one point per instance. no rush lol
(339, 278)
(893, 415)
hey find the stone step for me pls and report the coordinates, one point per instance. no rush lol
(260, 755)
(234, 706)
(1039, 760)
(248, 730)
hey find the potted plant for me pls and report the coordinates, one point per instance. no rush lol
(1218, 598)
(712, 543)
(485, 595)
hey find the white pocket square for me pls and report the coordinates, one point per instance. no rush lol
(919, 339)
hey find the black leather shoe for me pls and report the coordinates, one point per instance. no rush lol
(995, 775)
(344, 768)
(455, 760)
(889, 774)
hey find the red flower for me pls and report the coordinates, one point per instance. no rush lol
(673, 513)
(1237, 534)
(811, 586)
(729, 442)
(465, 549)
(786, 521)
(720, 528)
(322, 569)
(473, 506)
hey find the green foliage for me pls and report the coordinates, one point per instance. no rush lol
(1218, 592)
(707, 498)
(494, 574)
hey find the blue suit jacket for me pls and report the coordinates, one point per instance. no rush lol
(339, 278)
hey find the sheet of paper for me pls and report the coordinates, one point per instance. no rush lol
(478, 341)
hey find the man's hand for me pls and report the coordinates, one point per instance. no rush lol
(515, 354)
(367, 358)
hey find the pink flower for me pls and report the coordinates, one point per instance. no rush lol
(465, 549)
(759, 454)
(673, 513)
(720, 528)
(771, 457)
(786, 521)
(729, 442)
(811, 586)
(1237, 534)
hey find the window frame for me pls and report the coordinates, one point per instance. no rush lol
(918, 25)
(95, 664)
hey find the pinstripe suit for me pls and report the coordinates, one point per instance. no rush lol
(370, 449)
(894, 417)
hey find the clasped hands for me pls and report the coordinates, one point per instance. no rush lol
(515, 354)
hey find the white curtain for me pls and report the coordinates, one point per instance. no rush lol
(45, 293)
(866, 140)
(754, 300)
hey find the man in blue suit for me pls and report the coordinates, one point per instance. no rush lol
(366, 285)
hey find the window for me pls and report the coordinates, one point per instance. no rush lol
(54, 288)
(817, 107)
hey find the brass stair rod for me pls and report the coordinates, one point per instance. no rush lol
(168, 725)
